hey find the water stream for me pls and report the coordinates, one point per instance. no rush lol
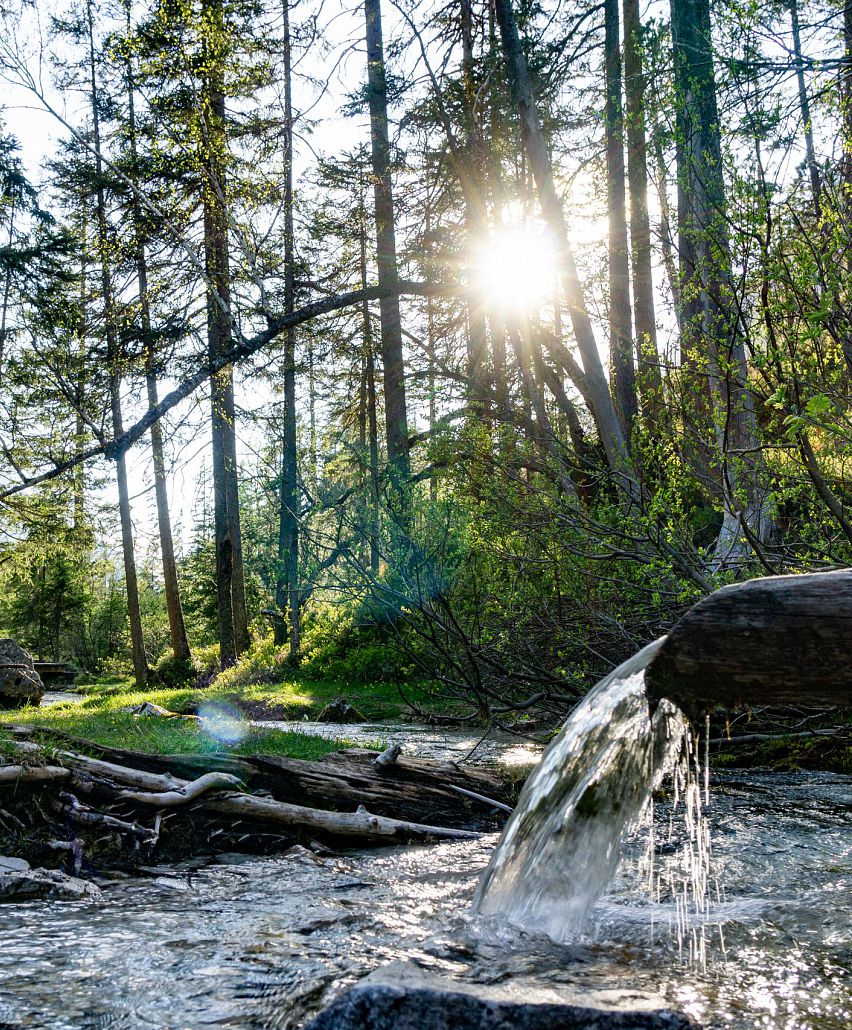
(265, 942)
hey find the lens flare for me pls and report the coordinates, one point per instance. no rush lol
(223, 723)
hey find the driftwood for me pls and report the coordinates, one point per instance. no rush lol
(777, 640)
(361, 825)
(181, 796)
(24, 774)
(343, 798)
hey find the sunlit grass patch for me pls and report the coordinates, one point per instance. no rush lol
(101, 717)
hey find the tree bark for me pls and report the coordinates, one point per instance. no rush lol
(287, 593)
(113, 359)
(712, 345)
(622, 369)
(396, 417)
(474, 228)
(230, 585)
(177, 626)
(649, 377)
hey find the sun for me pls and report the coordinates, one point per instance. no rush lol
(515, 269)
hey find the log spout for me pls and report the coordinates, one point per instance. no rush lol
(773, 641)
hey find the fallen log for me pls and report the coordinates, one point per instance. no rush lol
(777, 640)
(361, 825)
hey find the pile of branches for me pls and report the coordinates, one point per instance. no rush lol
(84, 799)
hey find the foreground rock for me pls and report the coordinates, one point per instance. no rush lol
(402, 996)
(20, 684)
(20, 883)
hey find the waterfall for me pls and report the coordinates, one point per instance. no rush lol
(562, 844)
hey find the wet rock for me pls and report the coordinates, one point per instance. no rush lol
(339, 710)
(402, 996)
(13, 865)
(20, 684)
(28, 884)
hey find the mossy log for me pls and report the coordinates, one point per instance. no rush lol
(781, 640)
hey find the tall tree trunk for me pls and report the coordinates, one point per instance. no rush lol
(177, 626)
(622, 369)
(113, 359)
(230, 585)
(474, 227)
(287, 592)
(649, 378)
(396, 418)
(372, 429)
(712, 340)
(596, 389)
(80, 375)
(805, 110)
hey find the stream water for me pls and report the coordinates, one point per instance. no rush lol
(265, 942)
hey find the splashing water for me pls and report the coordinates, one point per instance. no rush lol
(562, 844)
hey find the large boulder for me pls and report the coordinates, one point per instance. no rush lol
(401, 996)
(20, 684)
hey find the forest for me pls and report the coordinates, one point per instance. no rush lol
(450, 349)
(425, 514)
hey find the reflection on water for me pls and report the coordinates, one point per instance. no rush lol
(424, 741)
(264, 942)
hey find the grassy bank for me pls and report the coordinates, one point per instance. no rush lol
(101, 716)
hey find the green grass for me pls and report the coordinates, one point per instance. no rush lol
(98, 717)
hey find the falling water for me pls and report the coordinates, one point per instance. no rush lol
(562, 844)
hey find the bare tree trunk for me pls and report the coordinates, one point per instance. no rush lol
(622, 370)
(287, 592)
(372, 429)
(177, 627)
(711, 331)
(596, 388)
(230, 586)
(649, 378)
(113, 358)
(474, 228)
(396, 417)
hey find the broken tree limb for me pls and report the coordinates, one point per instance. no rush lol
(81, 814)
(480, 797)
(181, 796)
(360, 825)
(27, 774)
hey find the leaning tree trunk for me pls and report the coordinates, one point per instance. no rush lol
(140, 661)
(287, 593)
(594, 386)
(622, 369)
(396, 418)
(230, 587)
(711, 333)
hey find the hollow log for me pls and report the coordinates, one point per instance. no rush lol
(777, 640)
